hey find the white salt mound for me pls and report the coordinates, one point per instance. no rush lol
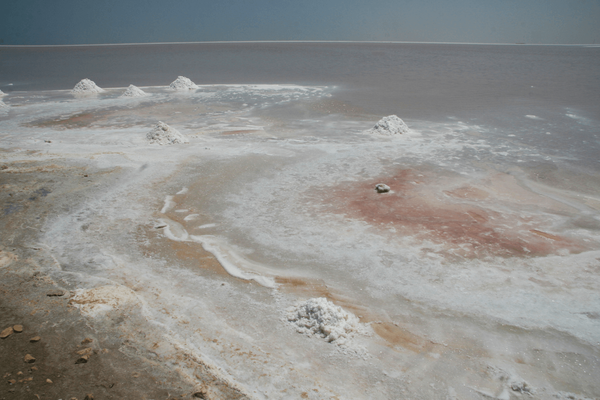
(2, 93)
(389, 126)
(86, 86)
(321, 317)
(134, 91)
(183, 83)
(163, 134)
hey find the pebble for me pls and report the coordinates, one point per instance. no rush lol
(89, 396)
(382, 188)
(18, 328)
(35, 339)
(87, 340)
(83, 359)
(29, 358)
(6, 333)
(48, 381)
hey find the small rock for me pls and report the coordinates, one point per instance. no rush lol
(48, 381)
(35, 339)
(55, 293)
(33, 369)
(6, 333)
(89, 396)
(382, 188)
(29, 358)
(87, 340)
(20, 373)
(12, 381)
(201, 394)
(85, 352)
(18, 328)
(83, 359)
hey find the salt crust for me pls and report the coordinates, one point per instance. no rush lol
(389, 126)
(103, 299)
(86, 86)
(183, 83)
(134, 91)
(163, 134)
(3, 104)
(319, 316)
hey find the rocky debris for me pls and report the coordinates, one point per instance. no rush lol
(87, 340)
(389, 126)
(201, 393)
(29, 358)
(86, 86)
(6, 333)
(89, 396)
(18, 328)
(163, 134)
(83, 359)
(521, 387)
(35, 339)
(382, 188)
(183, 83)
(134, 91)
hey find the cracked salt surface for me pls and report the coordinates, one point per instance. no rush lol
(295, 224)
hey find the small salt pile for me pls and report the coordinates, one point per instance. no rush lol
(86, 86)
(134, 91)
(183, 83)
(389, 126)
(163, 134)
(321, 317)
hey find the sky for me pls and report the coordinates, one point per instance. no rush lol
(43, 22)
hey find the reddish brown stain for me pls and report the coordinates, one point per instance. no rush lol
(417, 207)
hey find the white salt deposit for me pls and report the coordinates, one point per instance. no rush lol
(183, 83)
(321, 317)
(163, 134)
(86, 86)
(2, 93)
(134, 91)
(389, 126)
(3, 104)
(103, 299)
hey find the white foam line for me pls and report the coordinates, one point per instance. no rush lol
(169, 204)
(230, 261)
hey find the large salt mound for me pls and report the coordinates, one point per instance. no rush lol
(86, 86)
(321, 317)
(183, 83)
(389, 126)
(134, 91)
(163, 134)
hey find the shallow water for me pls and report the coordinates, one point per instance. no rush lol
(477, 273)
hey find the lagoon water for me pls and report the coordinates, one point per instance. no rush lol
(478, 274)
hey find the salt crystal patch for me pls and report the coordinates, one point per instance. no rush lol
(183, 83)
(163, 134)
(134, 91)
(319, 316)
(389, 126)
(86, 86)
(103, 299)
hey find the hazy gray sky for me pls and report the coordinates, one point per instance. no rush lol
(138, 21)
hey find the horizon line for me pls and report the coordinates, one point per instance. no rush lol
(298, 41)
